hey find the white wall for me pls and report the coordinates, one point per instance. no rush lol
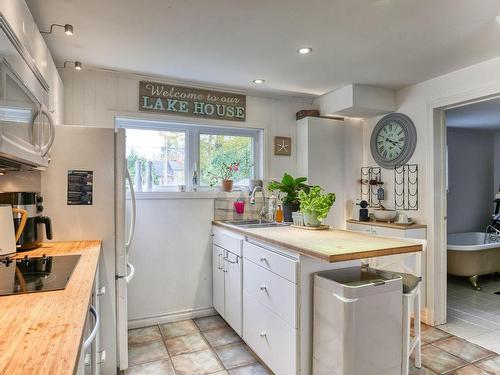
(470, 179)
(171, 247)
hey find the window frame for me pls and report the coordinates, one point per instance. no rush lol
(192, 146)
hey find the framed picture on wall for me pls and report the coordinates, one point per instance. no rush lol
(282, 146)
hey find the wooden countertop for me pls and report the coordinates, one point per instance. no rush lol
(41, 333)
(387, 225)
(332, 245)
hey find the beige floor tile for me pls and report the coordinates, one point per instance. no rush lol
(431, 334)
(463, 349)
(210, 322)
(490, 364)
(142, 335)
(440, 361)
(256, 369)
(163, 367)
(197, 363)
(147, 352)
(176, 329)
(221, 336)
(470, 370)
(235, 355)
(186, 344)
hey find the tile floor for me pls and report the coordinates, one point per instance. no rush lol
(475, 315)
(191, 347)
(209, 346)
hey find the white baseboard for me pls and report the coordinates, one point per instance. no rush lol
(171, 317)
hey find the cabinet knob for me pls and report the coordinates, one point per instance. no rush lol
(263, 259)
(263, 287)
(101, 291)
(263, 334)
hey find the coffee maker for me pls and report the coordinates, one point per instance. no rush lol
(32, 236)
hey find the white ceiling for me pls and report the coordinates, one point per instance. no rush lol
(482, 116)
(391, 43)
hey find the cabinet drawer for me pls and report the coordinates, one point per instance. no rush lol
(228, 240)
(274, 341)
(273, 291)
(279, 264)
(359, 227)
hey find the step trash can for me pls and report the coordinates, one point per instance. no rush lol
(357, 322)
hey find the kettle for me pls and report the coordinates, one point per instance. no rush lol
(8, 238)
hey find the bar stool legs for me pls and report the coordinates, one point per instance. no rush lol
(411, 344)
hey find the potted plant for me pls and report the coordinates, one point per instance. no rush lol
(291, 187)
(226, 174)
(315, 206)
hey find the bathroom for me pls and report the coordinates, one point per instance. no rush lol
(473, 251)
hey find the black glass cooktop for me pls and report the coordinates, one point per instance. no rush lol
(35, 274)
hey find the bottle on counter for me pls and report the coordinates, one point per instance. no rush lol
(279, 214)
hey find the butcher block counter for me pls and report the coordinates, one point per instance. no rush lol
(333, 245)
(41, 333)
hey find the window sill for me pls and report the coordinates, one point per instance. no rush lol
(151, 195)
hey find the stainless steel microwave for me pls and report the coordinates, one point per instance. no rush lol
(26, 128)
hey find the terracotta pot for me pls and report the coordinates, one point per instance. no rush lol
(227, 185)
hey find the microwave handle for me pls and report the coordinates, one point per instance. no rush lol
(46, 147)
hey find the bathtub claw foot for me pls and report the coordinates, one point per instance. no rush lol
(473, 281)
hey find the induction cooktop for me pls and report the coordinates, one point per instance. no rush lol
(35, 274)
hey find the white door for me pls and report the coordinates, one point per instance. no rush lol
(218, 279)
(233, 291)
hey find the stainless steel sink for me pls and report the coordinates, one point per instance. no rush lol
(255, 224)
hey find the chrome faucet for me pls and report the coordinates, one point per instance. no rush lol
(263, 212)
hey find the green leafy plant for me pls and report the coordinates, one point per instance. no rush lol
(314, 201)
(290, 186)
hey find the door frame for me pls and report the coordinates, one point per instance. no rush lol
(437, 201)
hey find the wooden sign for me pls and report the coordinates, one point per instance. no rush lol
(193, 102)
(283, 146)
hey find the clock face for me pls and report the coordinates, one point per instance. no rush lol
(393, 140)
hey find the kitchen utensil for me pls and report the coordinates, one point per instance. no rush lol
(8, 238)
(404, 219)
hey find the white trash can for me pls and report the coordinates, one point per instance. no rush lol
(357, 322)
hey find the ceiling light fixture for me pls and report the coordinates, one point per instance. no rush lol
(304, 50)
(78, 65)
(68, 29)
(258, 81)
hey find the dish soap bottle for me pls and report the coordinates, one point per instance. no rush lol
(279, 214)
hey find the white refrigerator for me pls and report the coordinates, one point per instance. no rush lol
(101, 151)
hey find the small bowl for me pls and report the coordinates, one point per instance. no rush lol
(385, 215)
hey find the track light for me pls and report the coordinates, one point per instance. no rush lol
(68, 29)
(78, 65)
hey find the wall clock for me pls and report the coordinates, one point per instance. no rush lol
(393, 140)
(282, 146)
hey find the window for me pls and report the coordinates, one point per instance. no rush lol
(174, 151)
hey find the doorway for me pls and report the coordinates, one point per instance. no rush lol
(472, 251)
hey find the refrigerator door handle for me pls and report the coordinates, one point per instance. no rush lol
(130, 275)
(133, 213)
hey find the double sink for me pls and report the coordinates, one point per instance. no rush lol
(254, 224)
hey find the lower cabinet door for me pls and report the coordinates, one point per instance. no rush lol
(233, 291)
(273, 340)
(218, 279)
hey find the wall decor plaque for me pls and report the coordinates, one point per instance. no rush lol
(190, 101)
(80, 187)
(283, 146)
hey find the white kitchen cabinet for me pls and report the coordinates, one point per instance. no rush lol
(410, 263)
(218, 279)
(228, 277)
(233, 291)
(90, 356)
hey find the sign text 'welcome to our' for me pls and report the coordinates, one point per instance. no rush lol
(187, 101)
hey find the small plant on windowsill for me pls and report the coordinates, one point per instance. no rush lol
(226, 174)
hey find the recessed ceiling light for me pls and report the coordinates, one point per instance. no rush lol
(498, 18)
(258, 81)
(304, 50)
